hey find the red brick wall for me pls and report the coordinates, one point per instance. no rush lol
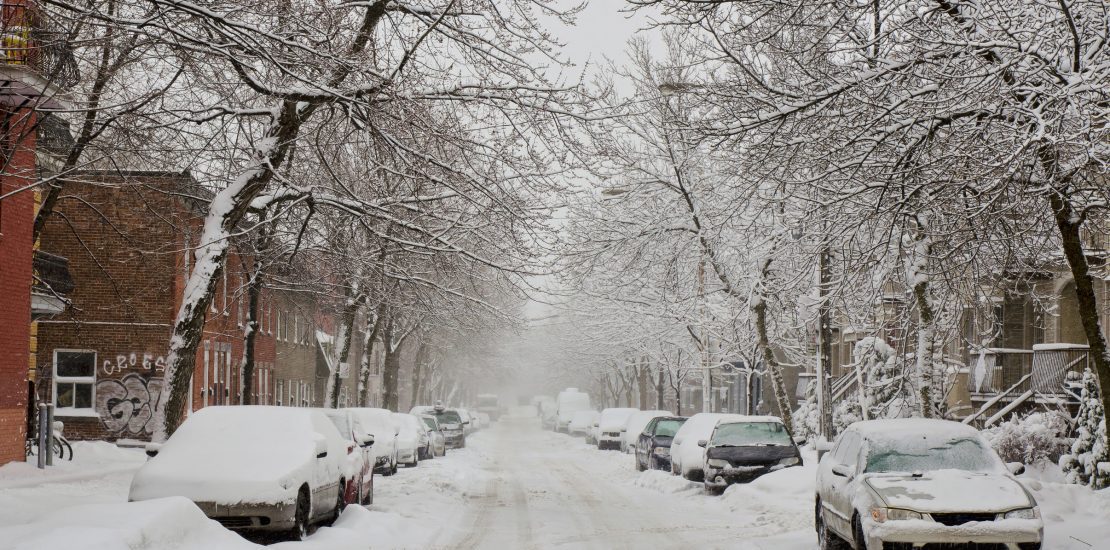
(16, 253)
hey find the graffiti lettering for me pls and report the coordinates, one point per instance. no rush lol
(129, 405)
(148, 361)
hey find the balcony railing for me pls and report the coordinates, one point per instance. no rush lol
(1046, 369)
(29, 39)
(994, 370)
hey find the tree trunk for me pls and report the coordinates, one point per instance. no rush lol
(373, 326)
(770, 365)
(918, 280)
(417, 371)
(1070, 223)
(355, 299)
(254, 292)
(659, 401)
(642, 382)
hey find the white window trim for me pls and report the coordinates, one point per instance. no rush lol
(73, 411)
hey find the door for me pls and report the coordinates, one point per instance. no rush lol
(836, 493)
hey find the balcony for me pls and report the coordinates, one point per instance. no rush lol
(1048, 370)
(36, 59)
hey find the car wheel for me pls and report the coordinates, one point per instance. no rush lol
(300, 516)
(340, 501)
(826, 539)
(712, 490)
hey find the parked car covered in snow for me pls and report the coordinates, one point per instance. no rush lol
(469, 425)
(915, 482)
(439, 441)
(582, 422)
(568, 402)
(451, 423)
(634, 426)
(653, 449)
(252, 467)
(610, 425)
(687, 458)
(380, 423)
(739, 451)
(413, 441)
(549, 412)
(360, 486)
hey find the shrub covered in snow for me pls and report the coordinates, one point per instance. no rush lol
(1088, 463)
(806, 420)
(1031, 438)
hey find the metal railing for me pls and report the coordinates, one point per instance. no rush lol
(994, 370)
(28, 38)
(1054, 365)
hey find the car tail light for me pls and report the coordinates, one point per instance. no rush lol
(350, 449)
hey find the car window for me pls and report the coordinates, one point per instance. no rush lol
(912, 454)
(668, 427)
(847, 450)
(751, 434)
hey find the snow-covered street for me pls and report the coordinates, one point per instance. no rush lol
(513, 486)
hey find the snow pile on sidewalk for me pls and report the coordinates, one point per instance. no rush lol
(161, 524)
(1074, 516)
(90, 459)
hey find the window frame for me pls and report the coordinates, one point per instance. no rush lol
(90, 380)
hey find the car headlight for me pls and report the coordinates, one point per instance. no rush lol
(1024, 513)
(789, 461)
(662, 451)
(893, 514)
(717, 463)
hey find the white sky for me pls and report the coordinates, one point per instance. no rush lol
(602, 30)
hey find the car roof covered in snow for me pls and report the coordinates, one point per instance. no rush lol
(737, 419)
(895, 428)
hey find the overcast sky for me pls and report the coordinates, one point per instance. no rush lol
(601, 31)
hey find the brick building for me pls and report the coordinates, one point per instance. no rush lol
(126, 235)
(31, 76)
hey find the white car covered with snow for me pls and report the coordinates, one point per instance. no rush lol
(568, 402)
(687, 458)
(909, 483)
(380, 422)
(252, 467)
(582, 422)
(413, 441)
(635, 425)
(611, 425)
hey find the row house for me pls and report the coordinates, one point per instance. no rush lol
(129, 238)
(35, 72)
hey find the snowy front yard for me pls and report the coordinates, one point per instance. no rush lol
(514, 486)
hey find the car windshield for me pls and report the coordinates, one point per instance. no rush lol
(449, 417)
(925, 454)
(667, 428)
(430, 423)
(751, 434)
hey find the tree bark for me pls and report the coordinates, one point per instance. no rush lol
(417, 371)
(770, 365)
(355, 299)
(1070, 224)
(659, 401)
(254, 292)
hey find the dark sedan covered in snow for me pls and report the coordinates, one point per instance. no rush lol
(739, 451)
(653, 449)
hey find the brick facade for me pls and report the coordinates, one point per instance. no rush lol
(125, 237)
(16, 253)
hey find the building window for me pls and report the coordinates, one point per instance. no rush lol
(74, 379)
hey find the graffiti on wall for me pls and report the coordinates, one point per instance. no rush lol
(128, 405)
(145, 360)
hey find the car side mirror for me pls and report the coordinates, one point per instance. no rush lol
(467, 422)
(1015, 468)
(321, 448)
(703, 443)
(823, 445)
(842, 471)
(152, 449)
(799, 440)
(366, 440)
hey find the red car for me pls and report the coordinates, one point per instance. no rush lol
(360, 488)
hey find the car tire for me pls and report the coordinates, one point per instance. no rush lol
(826, 539)
(712, 490)
(301, 513)
(368, 498)
(340, 502)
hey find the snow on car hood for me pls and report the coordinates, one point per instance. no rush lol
(948, 490)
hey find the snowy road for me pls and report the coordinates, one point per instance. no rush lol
(536, 489)
(514, 486)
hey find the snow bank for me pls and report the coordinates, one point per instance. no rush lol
(161, 524)
(90, 459)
